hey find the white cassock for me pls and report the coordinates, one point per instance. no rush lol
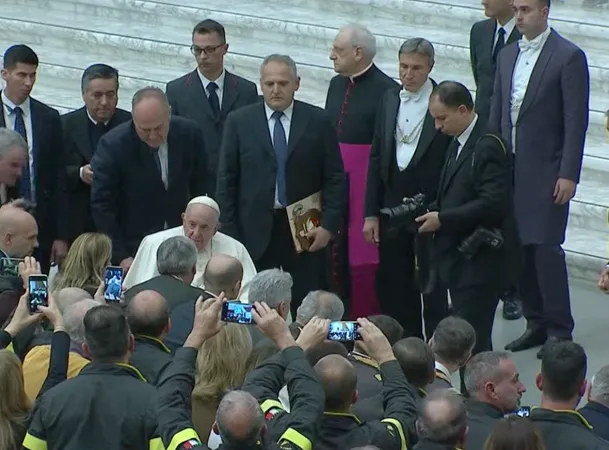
(144, 265)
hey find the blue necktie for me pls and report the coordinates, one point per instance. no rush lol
(280, 143)
(500, 43)
(214, 101)
(25, 185)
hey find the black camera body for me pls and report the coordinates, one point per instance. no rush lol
(481, 237)
(410, 209)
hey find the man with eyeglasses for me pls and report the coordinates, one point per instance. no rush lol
(209, 93)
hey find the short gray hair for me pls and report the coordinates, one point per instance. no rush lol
(453, 340)
(311, 306)
(482, 368)
(147, 92)
(272, 286)
(420, 46)
(73, 318)
(599, 386)
(284, 59)
(239, 403)
(176, 256)
(10, 139)
(445, 424)
(360, 36)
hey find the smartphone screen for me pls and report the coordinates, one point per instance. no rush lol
(9, 267)
(344, 331)
(38, 292)
(237, 312)
(524, 411)
(113, 284)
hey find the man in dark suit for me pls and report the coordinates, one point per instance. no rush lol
(209, 93)
(145, 172)
(540, 105)
(474, 197)
(82, 130)
(274, 154)
(43, 178)
(406, 159)
(487, 38)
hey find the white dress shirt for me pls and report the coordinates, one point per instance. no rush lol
(463, 137)
(9, 120)
(411, 116)
(525, 63)
(219, 81)
(286, 120)
(164, 160)
(508, 28)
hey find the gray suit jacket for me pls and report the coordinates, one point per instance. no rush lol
(551, 132)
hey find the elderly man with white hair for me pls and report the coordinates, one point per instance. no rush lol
(596, 411)
(200, 223)
(352, 103)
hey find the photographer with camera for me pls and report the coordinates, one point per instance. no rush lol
(473, 203)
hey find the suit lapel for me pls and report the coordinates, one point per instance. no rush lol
(37, 133)
(174, 158)
(490, 41)
(464, 154)
(427, 135)
(513, 37)
(537, 75)
(196, 94)
(512, 56)
(81, 135)
(262, 128)
(2, 122)
(229, 93)
(298, 125)
(393, 106)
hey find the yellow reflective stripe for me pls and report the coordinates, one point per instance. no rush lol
(156, 444)
(267, 405)
(296, 438)
(10, 348)
(179, 438)
(33, 443)
(396, 423)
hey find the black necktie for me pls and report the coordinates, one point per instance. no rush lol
(453, 150)
(214, 101)
(500, 43)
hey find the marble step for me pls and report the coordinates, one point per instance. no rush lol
(586, 253)
(590, 207)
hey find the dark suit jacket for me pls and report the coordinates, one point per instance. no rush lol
(128, 198)
(424, 168)
(481, 420)
(551, 132)
(77, 143)
(247, 172)
(597, 415)
(50, 187)
(474, 191)
(188, 99)
(151, 357)
(481, 45)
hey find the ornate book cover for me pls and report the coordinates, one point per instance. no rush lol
(304, 215)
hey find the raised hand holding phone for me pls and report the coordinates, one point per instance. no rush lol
(38, 292)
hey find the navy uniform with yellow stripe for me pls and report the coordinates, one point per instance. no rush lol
(395, 431)
(369, 379)
(151, 357)
(107, 406)
(567, 430)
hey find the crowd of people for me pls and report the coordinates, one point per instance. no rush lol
(183, 314)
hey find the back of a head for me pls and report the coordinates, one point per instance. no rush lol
(339, 380)
(272, 286)
(390, 327)
(85, 262)
(239, 419)
(563, 371)
(416, 359)
(515, 433)
(222, 274)
(322, 304)
(148, 314)
(176, 256)
(66, 297)
(73, 319)
(107, 334)
(323, 349)
(443, 418)
(453, 340)
(599, 386)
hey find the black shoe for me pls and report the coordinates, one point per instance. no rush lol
(532, 337)
(511, 309)
(552, 340)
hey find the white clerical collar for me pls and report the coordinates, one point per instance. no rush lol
(95, 122)
(463, 137)
(219, 81)
(442, 368)
(355, 75)
(508, 27)
(288, 111)
(25, 106)
(424, 92)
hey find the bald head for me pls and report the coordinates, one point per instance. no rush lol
(18, 232)
(66, 297)
(239, 419)
(339, 380)
(443, 418)
(148, 314)
(73, 319)
(223, 273)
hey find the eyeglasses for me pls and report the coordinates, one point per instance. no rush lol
(207, 50)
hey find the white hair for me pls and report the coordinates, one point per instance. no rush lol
(360, 36)
(331, 307)
(599, 389)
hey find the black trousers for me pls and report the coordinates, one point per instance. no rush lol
(307, 269)
(398, 289)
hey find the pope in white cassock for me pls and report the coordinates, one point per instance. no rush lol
(200, 223)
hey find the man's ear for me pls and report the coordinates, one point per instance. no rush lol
(86, 350)
(539, 382)
(215, 429)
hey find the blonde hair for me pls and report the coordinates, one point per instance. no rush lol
(216, 371)
(14, 403)
(85, 263)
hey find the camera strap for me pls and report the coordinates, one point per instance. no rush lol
(496, 138)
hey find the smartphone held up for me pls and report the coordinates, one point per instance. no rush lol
(113, 284)
(38, 292)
